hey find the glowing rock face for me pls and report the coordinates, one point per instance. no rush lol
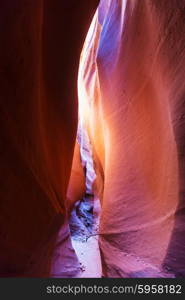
(76, 187)
(82, 173)
(132, 85)
(131, 90)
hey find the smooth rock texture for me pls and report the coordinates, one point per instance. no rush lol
(76, 187)
(131, 93)
(40, 49)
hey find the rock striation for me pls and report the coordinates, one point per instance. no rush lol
(132, 94)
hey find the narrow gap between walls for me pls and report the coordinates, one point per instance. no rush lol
(84, 219)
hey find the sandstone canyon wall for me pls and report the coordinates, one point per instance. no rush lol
(131, 93)
(40, 48)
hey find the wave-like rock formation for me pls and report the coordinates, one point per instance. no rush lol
(132, 102)
(131, 90)
(41, 42)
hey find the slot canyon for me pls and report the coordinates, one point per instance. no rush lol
(92, 138)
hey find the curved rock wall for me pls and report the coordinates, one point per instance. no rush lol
(41, 43)
(131, 93)
(76, 187)
(131, 86)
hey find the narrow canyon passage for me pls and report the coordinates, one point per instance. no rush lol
(92, 131)
(85, 213)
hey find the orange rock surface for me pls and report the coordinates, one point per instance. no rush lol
(131, 86)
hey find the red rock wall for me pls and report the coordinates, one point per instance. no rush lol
(76, 187)
(131, 86)
(40, 48)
